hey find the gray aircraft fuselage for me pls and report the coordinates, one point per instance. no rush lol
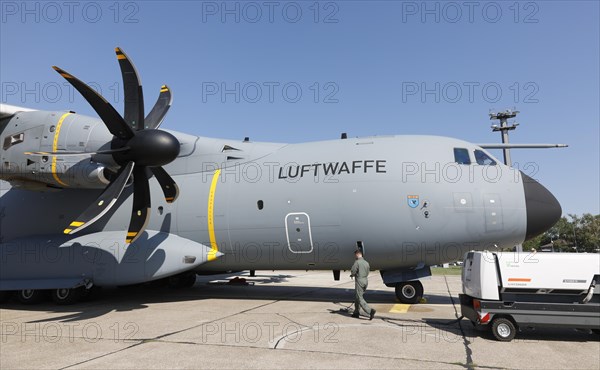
(409, 201)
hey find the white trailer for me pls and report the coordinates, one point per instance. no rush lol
(513, 290)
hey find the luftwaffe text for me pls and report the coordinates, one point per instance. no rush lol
(333, 168)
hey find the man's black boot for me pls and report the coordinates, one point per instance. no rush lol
(372, 314)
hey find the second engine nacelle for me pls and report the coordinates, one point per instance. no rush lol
(26, 138)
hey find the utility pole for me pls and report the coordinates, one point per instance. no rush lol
(504, 128)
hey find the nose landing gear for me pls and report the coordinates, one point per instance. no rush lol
(409, 289)
(409, 292)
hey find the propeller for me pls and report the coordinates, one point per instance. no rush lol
(138, 146)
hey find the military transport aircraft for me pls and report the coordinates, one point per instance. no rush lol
(118, 200)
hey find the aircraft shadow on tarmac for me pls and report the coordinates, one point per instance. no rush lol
(139, 297)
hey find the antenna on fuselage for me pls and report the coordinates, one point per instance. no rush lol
(504, 128)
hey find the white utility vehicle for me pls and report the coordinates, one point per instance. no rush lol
(513, 290)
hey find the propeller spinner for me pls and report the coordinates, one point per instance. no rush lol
(138, 146)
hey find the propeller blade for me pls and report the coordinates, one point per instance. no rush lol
(67, 153)
(162, 105)
(134, 97)
(104, 202)
(168, 185)
(111, 118)
(140, 213)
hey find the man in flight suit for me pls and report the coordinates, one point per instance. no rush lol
(360, 272)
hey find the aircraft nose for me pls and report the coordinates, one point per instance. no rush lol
(543, 210)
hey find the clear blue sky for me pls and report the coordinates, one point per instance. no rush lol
(369, 61)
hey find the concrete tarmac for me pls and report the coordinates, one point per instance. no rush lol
(282, 319)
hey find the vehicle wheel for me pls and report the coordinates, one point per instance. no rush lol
(409, 292)
(503, 329)
(65, 296)
(30, 296)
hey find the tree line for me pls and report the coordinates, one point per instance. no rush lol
(570, 234)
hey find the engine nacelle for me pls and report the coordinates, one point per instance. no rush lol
(37, 131)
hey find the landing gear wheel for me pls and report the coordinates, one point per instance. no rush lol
(30, 296)
(65, 296)
(188, 280)
(5, 296)
(91, 293)
(503, 329)
(409, 292)
(185, 280)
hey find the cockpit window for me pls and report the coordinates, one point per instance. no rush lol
(461, 156)
(484, 159)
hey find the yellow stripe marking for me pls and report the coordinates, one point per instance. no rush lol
(214, 248)
(120, 56)
(74, 224)
(130, 236)
(55, 148)
(400, 308)
(164, 90)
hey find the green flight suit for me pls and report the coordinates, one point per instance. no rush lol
(360, 272)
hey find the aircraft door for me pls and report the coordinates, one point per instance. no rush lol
(297, 229)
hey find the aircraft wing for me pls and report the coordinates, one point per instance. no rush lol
(521, 146)
(10, 110)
